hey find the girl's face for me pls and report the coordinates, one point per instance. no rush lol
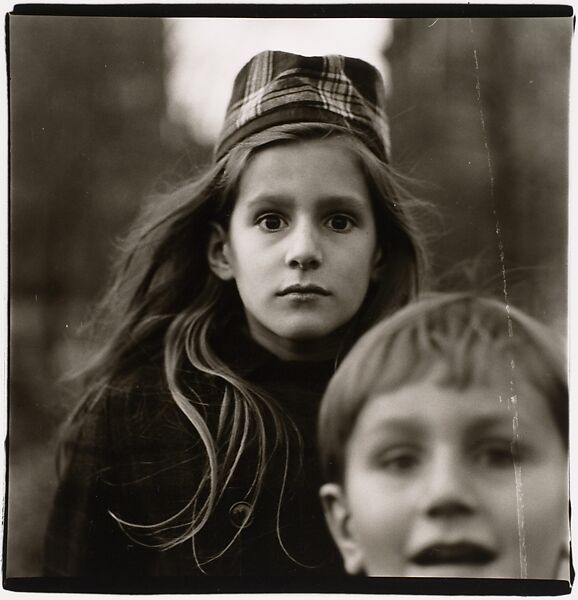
(432, 488)
(301, 244)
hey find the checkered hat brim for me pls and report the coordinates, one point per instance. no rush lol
(278, 87)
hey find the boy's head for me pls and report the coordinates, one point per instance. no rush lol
(443, 437)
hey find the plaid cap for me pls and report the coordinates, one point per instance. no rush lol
(278, 87)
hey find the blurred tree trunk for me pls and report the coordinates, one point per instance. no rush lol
(447, 137)
(89, 140)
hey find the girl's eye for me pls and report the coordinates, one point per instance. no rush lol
(271, 222)
(341, 223)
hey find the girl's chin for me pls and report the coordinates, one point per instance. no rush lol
(307, 331)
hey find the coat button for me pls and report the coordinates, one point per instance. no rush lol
(241, 514)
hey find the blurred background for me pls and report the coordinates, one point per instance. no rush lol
(104, 111)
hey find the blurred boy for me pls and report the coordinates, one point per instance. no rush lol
(443, 435)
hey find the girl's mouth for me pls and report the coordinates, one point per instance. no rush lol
(464, 553)
(304, 290)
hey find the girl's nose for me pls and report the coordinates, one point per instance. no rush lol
(449, 491)
(304, 251)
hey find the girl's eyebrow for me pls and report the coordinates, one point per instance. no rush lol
(325, 201)
(267, 198)
(343, 201)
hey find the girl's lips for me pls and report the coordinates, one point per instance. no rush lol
(303, 290)
(463, 553)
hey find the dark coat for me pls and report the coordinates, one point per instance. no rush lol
(136, 455)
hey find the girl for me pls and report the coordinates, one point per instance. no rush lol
(193, 449)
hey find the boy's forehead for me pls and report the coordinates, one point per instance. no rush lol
(461, 371)
(429, 402)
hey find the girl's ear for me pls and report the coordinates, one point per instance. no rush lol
(218, 253)
(339, 521)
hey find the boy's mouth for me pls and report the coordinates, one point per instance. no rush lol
(463, 553)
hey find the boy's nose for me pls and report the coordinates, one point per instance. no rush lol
(449, 492)
(304, 251)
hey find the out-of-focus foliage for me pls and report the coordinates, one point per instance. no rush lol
(516, 129)
(89, 140)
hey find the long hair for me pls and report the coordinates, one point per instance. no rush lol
(168, 308)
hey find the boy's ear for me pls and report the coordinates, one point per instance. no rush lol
(338, 519)
(218, 253)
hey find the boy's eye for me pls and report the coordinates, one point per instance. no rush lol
(398, 462)
(341, 223)
(495, 456)
(271, 222)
